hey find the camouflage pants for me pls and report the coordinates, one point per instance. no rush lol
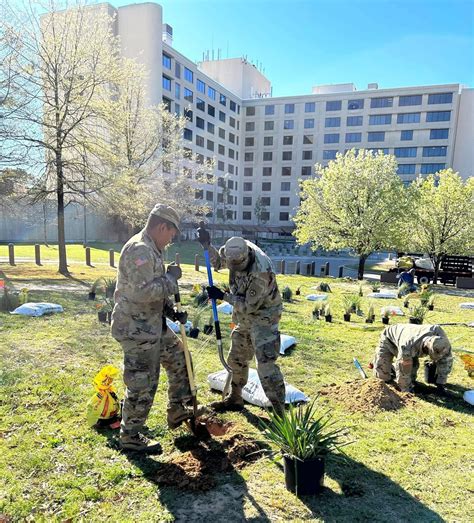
(142, 361)
(263, 342)
(405, 369)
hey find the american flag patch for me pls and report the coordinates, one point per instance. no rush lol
(140, 261)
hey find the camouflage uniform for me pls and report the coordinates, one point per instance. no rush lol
(257, 309)
(139, 324)
(405, 343)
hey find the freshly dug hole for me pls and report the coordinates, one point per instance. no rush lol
(370, 395)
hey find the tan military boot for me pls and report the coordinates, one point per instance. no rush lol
(139, 443)
(177, 413)
(232, 402)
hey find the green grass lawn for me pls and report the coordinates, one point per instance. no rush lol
(414, 464)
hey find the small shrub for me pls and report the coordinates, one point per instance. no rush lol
(286, 294)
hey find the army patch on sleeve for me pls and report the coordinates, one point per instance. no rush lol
(140, 261)
(253, 293)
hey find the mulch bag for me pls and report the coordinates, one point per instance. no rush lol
(468, 305)
(37, 309)
(174, 326)
(225, 308)
(286, 342)
(103, 409)
(391, 310)
(383, 295)
(253, 391)
(316, 297)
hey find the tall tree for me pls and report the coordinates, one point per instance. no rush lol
(442, 218)
(61, 66)
(357, 202)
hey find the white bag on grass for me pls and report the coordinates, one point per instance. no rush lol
(316, 297)
(174, 326)
(37, 309)
(253, 391)
(392, 311)
(469, 305)
(286, 342)
(225, 308)
(468, 396)
(385, 295)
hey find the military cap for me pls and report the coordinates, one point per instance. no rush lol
(438, 347)
(167, 213)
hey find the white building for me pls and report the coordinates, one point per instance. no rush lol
(264, 145)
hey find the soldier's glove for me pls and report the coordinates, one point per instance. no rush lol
(203, 237)
(215, 293)
(441, 391)
(182, 316)
(174, 271)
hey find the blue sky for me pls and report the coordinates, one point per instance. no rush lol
(302, 43)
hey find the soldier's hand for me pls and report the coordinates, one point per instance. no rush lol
(203, 237)
(182, 317)
(174, 271)
(215, 293)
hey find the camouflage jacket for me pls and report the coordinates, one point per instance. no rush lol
(143, 290)
(254, 292)
(408, 340)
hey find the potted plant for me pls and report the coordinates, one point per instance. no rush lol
(305, 439)
(324, 287)
(102, 310)
(298, 291)
(403, 290)
(347, 304)
(318, 311)
(356, 301)
(286, 293)
(417, 314)
(430, 303)
(196, 321)
(201, 297)
(425, 296)
(327, 313)
(361, 292)
(385, 317)
(406, 302)
(370, 315)
(208, 327)
(110, 285)
(375, 286)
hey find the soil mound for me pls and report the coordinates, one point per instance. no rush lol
(202, 462)
(370, 395)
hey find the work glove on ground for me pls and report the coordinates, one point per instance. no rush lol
(203, 237)
(174, 271)
(182, 316)
(215, 293)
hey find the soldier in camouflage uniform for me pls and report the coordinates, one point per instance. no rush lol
(407, 343)
(257, 308)
(142, 303)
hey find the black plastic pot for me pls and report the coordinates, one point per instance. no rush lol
(431, 307)
(369, 320)
(91, 296)
(194, 333)
(304, 478)
(102, 316)
(316, 315)
(415, 321)
(328, 318)
(347, 317)
(207, 329)
(430, 372)
(406, 305)
(385, 320)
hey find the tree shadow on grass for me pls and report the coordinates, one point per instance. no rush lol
(453, 401)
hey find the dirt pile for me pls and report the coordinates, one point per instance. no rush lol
(371, 395)
(202, 461)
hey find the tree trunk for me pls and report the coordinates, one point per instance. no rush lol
(61, 233)
(360, 272)
(437, 263)
(45, 229)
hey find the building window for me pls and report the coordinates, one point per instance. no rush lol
(381, 102)
(352, 121)
(308, 139)
(231, 171)
(406, 168)
(201, 86)
(353, 137)
(331, 138)
(289, 108)
(232, 121)
(287, 140)
(332, 122)
(188, 114)
(188, 75)
(284, 216)
(232, 105)
(249, 141)
(247, 200)
(166, 83)
(199, 194)
(430, 168)
(248, 171)
(220, 165)
(335, 105)
(167, 103)
(200, 104)
(267, 156)
(199, 122)
(221, 116)
(352, 105)
(408, 118)
(232, 153)
(177, 90)
(286, 156)
(221, 149)
(329, 155)
(288, 124)
(306, 170)
(250, 111)
(188, 94)
(376, 150)
(269, 125)
(246, 215)
(265, 200)
(267, 171)
(266, 186)
(438, 116)
(309, 107)
(269, 109)
(405, 152)
(211, 110)
(210, 127)
(412, 99)
(222, 99)
(248, 157)
(177, 108)
(406, 135)
(440, 98)
(248, 186)
(211, 92)
(188, 135)
(177, 69)
(250, 126)
(210, 145)
(307, 155)
(434, 151)
(209, 196)
(380, 119)
(439, 134)
(285, 186)
(309, 123)
(166, 60)
(221, 133)
(268, 140)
